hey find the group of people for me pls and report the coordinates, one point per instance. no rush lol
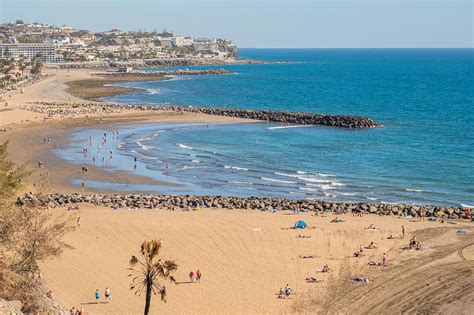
(285, 293)
(100, 146)
(414, 244)
(195, 276)
(78, 311)
(107, 295)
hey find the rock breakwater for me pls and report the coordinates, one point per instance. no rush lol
(157, 63)
(166, 73)
(187, 202)
(297, 118)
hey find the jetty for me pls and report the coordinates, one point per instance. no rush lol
(297, 118)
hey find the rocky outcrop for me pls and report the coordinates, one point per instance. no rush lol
(297, 118)
(188, 202)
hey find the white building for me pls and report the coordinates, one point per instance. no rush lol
(181, 41)
(167, 41)
(43, 52)
(176, 41)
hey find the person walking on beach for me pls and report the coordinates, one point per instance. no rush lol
(384, 260)
(107, 295)
(403, 231)
(198, 276)
(422, 215)
(97, 296)
(191, 276)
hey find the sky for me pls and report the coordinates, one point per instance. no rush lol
(269, 23)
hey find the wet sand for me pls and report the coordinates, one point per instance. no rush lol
(27, 129)
(27, 146)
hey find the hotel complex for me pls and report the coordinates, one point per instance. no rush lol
(42, 52)
(53, 44)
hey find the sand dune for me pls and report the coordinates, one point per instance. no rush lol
(246, 256)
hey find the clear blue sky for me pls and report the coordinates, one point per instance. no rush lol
(269, 23)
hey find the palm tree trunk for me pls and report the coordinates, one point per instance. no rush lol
(148, 295)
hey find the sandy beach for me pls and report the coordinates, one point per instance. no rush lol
(245, 256)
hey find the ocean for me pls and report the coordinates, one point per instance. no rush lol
(423, 153)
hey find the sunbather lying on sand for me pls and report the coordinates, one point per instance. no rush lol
(303, 236)
(358, 254)
(365, 280)
(75, 207)
(370, 246)
(324, 269)
(373, 263)
(371, 227)
(391, 237)
(307, 256)
(336, 220)
(312, 280)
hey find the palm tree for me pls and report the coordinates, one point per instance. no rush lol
(7, 65)
(147, 270)
(22, 65)
(36, 68)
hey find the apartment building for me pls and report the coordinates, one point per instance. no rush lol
(41, 52)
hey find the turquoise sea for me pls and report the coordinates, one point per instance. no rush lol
(424, 153)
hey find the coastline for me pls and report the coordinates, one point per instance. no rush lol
(162, 63)
(223, 237)
(61, 112)
(30, 149)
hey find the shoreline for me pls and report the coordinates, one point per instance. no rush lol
(104, 84)
(233, 241)
(66, 176)
(64, 115)
(161, 63)
(61, 172)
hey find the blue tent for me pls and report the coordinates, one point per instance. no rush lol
(300, 225)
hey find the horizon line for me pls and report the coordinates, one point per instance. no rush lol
(467, 47)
